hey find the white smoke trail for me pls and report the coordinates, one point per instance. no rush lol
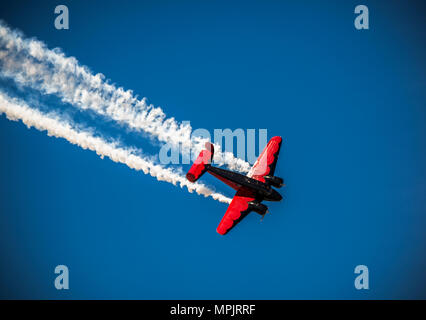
(19, 110)
(30, 63)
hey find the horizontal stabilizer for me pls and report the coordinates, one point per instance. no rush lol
(201, 164)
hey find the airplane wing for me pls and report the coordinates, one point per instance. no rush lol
(238, 209)
(265, 164)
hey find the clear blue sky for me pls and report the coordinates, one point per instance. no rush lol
(350, 106)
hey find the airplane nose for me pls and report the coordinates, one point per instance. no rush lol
(275, 196)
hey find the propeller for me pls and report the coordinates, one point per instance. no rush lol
(263, 215)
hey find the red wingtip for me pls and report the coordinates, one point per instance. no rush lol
(276, 139)
(222, 231)
(209, 146)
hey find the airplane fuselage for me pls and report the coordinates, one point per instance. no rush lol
(262, 189)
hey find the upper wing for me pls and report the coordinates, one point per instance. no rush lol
(265, 164)
(237, 210)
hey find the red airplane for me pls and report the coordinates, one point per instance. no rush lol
(251, 189)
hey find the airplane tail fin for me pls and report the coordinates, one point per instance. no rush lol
(201, 164)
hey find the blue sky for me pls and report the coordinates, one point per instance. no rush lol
(349, 104)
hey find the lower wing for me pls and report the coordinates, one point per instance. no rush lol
(238, 209)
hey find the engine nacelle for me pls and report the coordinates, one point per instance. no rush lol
(274, 181)
(258, 207)
(201, 164)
